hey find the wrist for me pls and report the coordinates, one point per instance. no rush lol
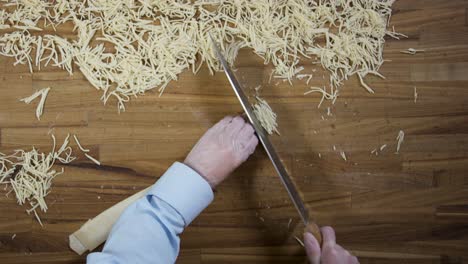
(199, 170)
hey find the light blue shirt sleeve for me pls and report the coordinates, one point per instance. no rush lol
(148, 230)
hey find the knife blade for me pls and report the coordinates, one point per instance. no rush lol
(263, 138)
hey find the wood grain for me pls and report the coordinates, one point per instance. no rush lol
(409, 207)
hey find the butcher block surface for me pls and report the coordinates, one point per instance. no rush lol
(386, 207)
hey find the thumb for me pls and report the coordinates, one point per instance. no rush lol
(312, 248)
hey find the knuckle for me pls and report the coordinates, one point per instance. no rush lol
(253, 146)
(238, 119)
(255, 141)
(227, 118)
(250, 129)
(242, 146)
(333, 253)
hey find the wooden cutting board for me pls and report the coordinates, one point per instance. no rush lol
(388, 208)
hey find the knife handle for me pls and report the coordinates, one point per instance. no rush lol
(313, 228)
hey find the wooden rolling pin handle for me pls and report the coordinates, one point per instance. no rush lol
(315, 230)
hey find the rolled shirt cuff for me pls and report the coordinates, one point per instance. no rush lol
(185, 190)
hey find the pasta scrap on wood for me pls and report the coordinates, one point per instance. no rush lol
(266, 116)
(411, 51)
(123, 52)
(343, 156)
(415, 94)
(30, 173)
(40, 107)
(86, 151)
(97, 162)
(400, 138)
(298, 240)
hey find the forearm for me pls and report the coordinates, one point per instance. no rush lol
(148, 231)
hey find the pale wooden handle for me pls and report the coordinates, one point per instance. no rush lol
(94, 232)
(315, 230)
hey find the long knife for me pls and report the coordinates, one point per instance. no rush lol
(270, 150)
